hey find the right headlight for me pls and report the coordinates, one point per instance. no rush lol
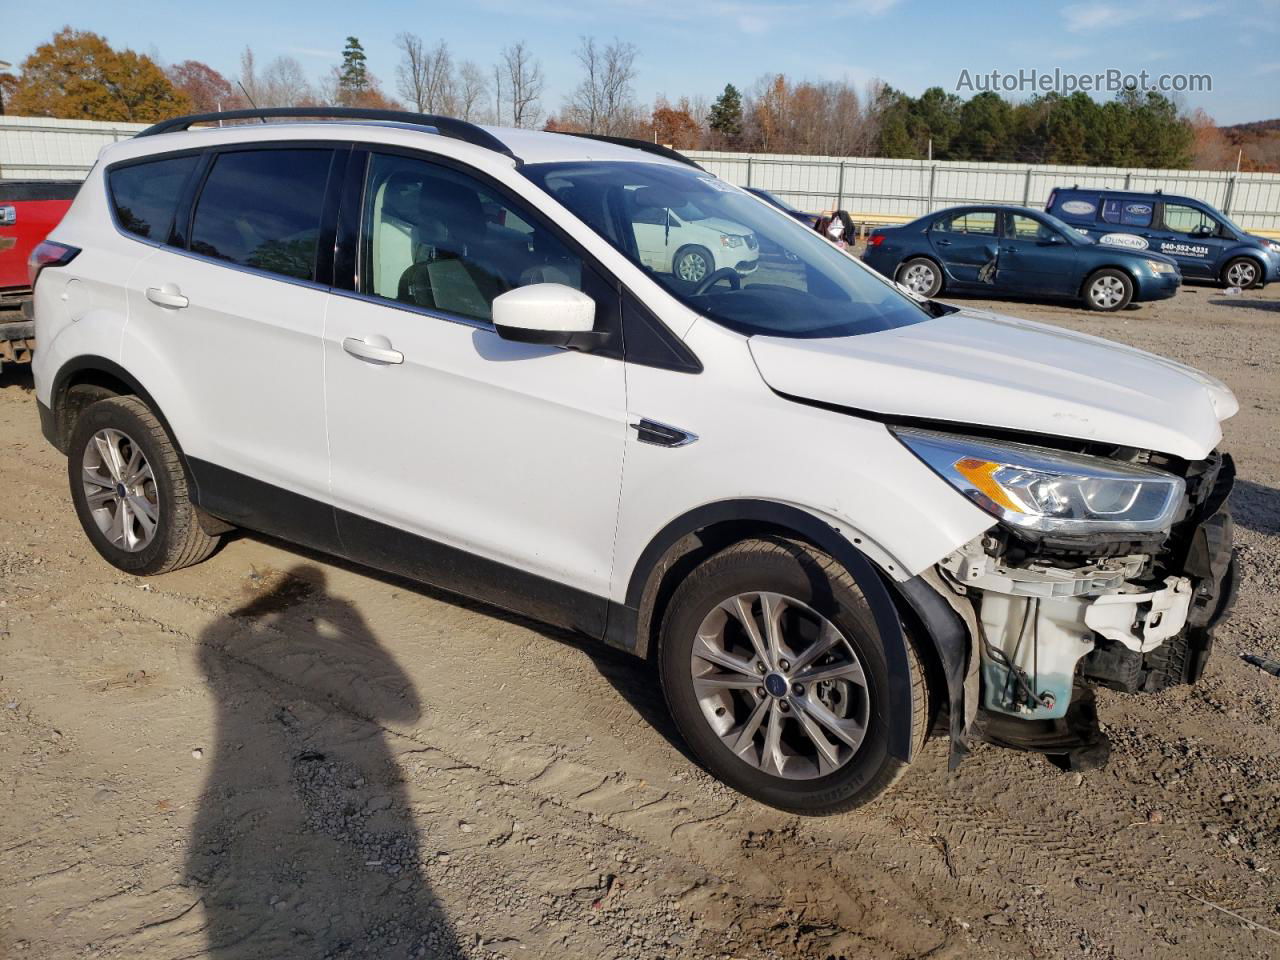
(1048, 491)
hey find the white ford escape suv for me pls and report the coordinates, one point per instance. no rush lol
(831, 512)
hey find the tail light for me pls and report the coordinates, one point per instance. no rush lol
(875, 239)
(48, 254)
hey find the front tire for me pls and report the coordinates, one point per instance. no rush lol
(693, 264)
(1108, 291)
(130, 490)
(775, 674)
(921, 275)
(1241, 272)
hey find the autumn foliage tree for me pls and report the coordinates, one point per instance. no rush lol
(676, 126)
(77, 75)
(205, 87)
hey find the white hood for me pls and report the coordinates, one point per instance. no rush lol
(974, 367)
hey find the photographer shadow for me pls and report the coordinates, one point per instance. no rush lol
(303, 844)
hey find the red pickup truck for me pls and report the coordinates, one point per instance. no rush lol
(29, 209)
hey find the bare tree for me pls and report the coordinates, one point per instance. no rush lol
(471, 90)
(425, 76)
(603, 101)
(523, 75)
(249, 77)
(283, 83)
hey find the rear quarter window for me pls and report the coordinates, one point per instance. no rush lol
(1077, 208)
(144, 196)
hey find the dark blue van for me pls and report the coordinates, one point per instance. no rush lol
(1206, 244)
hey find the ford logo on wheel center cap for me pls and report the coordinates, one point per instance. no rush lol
(776, 685)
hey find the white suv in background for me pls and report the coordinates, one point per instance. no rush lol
(830, 511)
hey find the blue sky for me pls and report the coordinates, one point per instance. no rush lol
(698, 47)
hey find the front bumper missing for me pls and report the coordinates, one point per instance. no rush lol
(1046, 632)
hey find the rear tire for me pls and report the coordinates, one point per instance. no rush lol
(920, 275)
(807, 596)
(1108, 290)
(1242, 272)
(130, 490)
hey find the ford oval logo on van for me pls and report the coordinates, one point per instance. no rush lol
(1124, 240)
(1078, 206)
(1137, 209)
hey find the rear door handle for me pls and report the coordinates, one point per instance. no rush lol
(943, 243)
(374, 348)
(167, 295)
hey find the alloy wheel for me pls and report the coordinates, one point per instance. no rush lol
(120, 489)
(919, 278)
(1107, 292)
(780, 685)
(692, 267)
(1242, 275)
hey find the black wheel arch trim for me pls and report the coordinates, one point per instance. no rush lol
(623, 625)
(89, 363)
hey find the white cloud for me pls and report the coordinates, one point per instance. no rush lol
(1084, 17)
(316, 52)
(872, 8)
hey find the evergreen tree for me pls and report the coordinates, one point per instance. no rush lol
(725, 116)
(986, 130)
(353, 75)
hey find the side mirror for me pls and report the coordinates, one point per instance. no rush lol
(1050, 240)
(547, 313)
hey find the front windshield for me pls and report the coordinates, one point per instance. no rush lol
(724, 253)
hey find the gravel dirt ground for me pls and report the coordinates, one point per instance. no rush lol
(275, 755)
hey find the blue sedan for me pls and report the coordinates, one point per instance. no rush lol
(1017, 251)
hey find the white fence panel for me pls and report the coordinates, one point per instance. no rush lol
(41, 148)
(911, 188)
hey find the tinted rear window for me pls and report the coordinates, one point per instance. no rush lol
(145, 195)
(262, 209)
(1076, 207)
(15, 190)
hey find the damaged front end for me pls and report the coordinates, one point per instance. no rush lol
(1103, 570)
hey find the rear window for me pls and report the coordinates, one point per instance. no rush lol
(975, 221)
(1130, 213)
(262, 209)
(1077, 207)
(145, 195)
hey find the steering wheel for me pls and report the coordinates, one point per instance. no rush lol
(715, 276)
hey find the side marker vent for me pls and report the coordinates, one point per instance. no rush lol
(661, 435)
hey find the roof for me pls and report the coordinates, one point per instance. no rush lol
(517, 145)
(1127, 192)
(540, 146)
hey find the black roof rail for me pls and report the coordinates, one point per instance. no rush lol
(450, 127)
(636, 144)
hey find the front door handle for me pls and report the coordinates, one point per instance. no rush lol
(167, 295)
(374, 348)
